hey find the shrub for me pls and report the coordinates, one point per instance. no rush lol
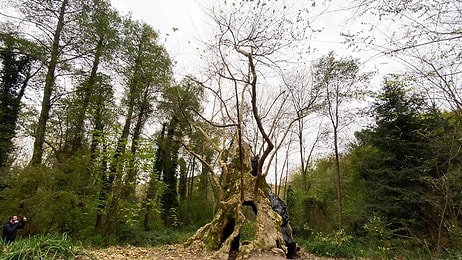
(337, 244)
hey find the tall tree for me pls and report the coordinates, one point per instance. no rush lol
(146, 69)
(17, 56)
(50, 18)
(400, 159)
(156, 75)
(154, 182)
(180, 104)
(101, 116)
(97, 44)
(338, 79)
(306, 98)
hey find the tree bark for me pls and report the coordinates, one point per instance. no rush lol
(87, 90)
(48, 89)
(222, 234)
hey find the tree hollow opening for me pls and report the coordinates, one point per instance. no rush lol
(252, 205)
(228, 230)
(248, 231)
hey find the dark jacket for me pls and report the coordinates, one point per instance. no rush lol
(10, 229)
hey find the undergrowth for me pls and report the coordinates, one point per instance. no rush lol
(341, 245)
(50, 246)
(138, 237)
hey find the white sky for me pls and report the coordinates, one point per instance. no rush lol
(164, 16)
(191, 21)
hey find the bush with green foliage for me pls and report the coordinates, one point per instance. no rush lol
(401, 186)
(337, 244)
(52, 200)
(198, 208)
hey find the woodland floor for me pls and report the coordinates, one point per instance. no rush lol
(176, 252)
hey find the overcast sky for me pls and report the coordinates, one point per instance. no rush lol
(182, 23)
(179, 23)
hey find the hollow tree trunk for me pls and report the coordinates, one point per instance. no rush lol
(222, 234)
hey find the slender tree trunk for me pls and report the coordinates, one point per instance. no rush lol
(130, 181)
(286, 181)
(192, 165)
(48, 89)
(276, 169)
(87, 90)
(338, 181)
(170, 195)
(302, 156)
(99, 169)
(206, 184)
(190, 186)
(150, 202)
(115, 172)
(182, 185)
(116, 168)
(105, 190)
(151, 193)
(129, 184)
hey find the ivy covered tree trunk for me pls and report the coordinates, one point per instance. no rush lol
(223, 233)
(15, 73)
(170, 149)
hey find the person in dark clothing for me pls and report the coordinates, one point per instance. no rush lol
(10, 228)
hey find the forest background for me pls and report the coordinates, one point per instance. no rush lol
(101, 141)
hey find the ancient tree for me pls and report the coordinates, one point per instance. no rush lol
(248, 114)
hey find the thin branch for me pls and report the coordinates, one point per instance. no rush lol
(209, 167)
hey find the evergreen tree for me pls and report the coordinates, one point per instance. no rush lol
(391, 172)
(406, 162)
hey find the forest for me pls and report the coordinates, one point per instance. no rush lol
(271, 147)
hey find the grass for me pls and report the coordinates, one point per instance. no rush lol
(49, 246)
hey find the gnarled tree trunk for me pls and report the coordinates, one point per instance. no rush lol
(222, 234)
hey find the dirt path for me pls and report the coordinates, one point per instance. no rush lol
(175, 252)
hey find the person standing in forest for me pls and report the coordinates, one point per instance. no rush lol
(10, 228)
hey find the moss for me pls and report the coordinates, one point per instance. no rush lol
(231, 215)
(264, 187)
(211, 242)
(249, 231)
